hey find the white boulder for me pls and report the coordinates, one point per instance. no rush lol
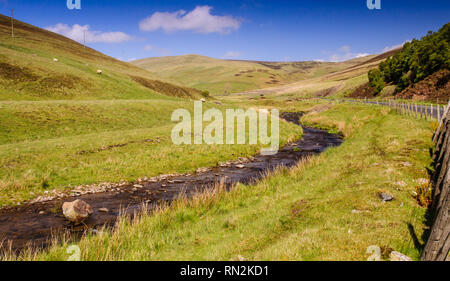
(77, 211)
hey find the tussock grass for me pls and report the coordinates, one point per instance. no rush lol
(326, 208)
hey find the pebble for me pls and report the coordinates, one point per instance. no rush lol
(397, 256)
(104, 210)
(202, 170)
(386, 197)
(401, 183)
(423, 181)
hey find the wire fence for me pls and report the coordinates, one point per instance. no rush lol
(428, 112)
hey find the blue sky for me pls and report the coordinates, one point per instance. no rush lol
(255, 30)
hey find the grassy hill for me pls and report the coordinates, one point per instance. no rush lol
(50, 111)
(28, 70)
(231, 76)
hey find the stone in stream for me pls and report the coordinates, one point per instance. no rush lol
(77, 211)
(202, 170)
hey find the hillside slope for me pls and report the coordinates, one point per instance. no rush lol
(232, 76)
(351, 75)
(39, 64)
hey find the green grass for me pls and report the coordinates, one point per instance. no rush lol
(51, 145)
(306, 213)
(39, 120)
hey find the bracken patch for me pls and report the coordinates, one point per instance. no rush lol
(16, 73)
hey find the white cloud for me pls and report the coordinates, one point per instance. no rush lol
(126, 60)
(345, 53)
(231, 55)
(76, 32)
(390, 48)
(361, 55)
(198, 20)
(158, 50)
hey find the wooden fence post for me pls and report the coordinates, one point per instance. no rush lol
(431, 112)
(438, 112)
(441, 122)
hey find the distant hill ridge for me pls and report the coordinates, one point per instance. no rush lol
(221, 76)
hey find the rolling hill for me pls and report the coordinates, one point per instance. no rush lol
(38, 64)
(231, 76)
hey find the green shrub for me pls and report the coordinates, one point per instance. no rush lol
(205, 94)
(376, 80)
